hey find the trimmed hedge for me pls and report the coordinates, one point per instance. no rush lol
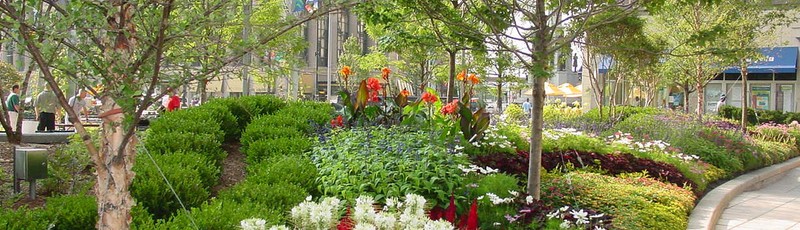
(217, 214)
(290, 169)
(261, 105)
(268, 148)
(760, 116)
(633, 201)
(190, 174)
(170, 142)
(72, 211)
(280, 196)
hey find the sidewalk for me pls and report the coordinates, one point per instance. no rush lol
(776, 206)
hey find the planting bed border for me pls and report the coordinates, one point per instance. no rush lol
(707, 212)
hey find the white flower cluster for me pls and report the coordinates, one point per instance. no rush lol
(649, 146)
(492, 139)
(395, 215)
(556, 134)
(474, 168)
(582, 218)
(496, 200)
(254, 224)
(318, 216)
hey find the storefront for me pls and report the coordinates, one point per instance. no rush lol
(772, 83)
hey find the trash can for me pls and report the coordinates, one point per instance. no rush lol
(29, 164)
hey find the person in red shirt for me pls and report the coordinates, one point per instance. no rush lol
(174, 101)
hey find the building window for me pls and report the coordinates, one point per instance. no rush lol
(362, 38)
(784, 98)
(322, 41)
(10, 53)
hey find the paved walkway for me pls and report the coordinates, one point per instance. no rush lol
(776, 206)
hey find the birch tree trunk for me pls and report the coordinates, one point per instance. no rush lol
(114, 170)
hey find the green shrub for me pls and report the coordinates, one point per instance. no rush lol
(514, 114)
(226, 120)
(190, 174)
(220, 214)
(620, 113)
(202, 143)
(500, 185)
(65, 167)
(633, 201)
(238, 110)
(259, 131)
(193, 120)
(23, 218)
(514, 134)
(72, 211)
(280, 196)
(261, 105)
(386, 163)
(319, 113)
(268, 148)
(291, 169)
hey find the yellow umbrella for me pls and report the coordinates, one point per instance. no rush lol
(569, 90)
(549, 90)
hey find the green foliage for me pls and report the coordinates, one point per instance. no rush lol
(10, 77)
(500, 185)
(23, 218)
(268, 148)
(514, 134)
(220, 113)
(514, 114)
(621, 112)
(307, 111)
(386, 163)
(236, 108)
(219, 214)
(281, 196)
(635, 202)
(261, 105)
(195, 120)
(66, 167)
(292, 169)
(190, 174)
(735, 113)
(266, 128)
(72, 211)
(169, 142)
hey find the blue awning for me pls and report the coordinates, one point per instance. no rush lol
(605, 64)
(778, 60)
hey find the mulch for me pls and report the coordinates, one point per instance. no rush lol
(233, 167)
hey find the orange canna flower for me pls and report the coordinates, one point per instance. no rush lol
(346, 71)
(474, 79)
(450, 108)
(405, 93)
(461, 76)
(385, 73)
(429, 98)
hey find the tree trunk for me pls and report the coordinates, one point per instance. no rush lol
(701, 97)
(202, 87)
(452, 80)
(537, 122)
(686, 91)
(745, 95)
(499, 96)
(114, 170)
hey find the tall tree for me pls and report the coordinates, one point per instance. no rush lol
(705, 38)
(126, 46)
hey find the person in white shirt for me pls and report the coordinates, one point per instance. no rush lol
(78, 104)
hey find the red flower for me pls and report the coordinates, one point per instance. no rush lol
(373, 96)
(373, 84)
(450, 212)
(450, 108)
(345, 223)
(405, 93)
(429, 97)
(385, 73)
(337, 122)
(472, 219)
(436, 213)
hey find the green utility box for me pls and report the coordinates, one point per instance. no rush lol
(30, 164)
